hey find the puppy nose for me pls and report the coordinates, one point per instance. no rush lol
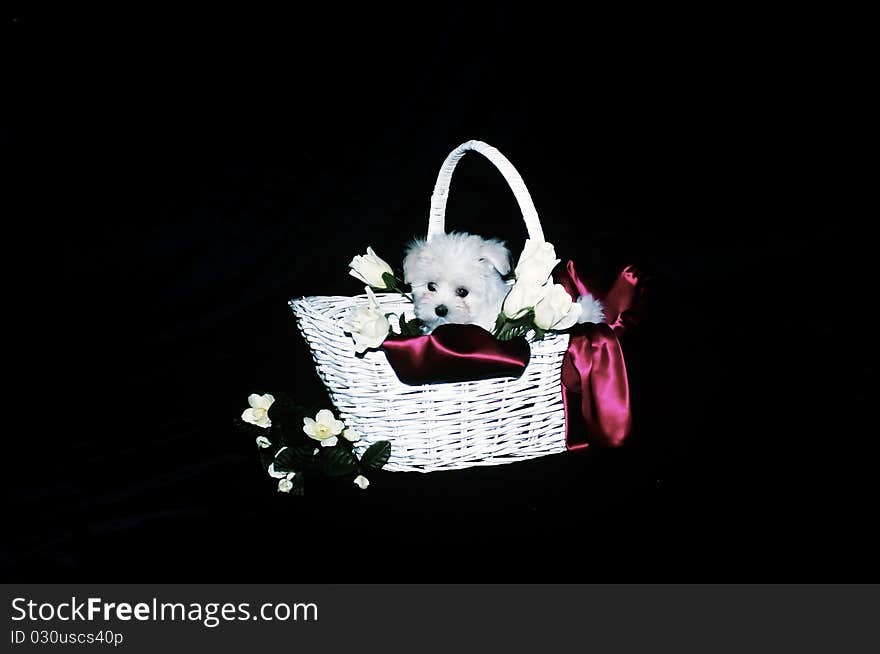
(441, 310)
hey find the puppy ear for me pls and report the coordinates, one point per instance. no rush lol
(497, 254)
(413, 254)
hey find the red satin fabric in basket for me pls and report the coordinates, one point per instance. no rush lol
(594, 383)
(455, 353)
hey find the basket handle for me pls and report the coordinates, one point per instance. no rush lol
(437, 217)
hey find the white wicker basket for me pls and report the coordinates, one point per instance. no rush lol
(449, 425)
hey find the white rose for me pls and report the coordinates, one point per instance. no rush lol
(285, 485)
(591, 309)
(556, 309)
(258, 414)
(522, 297)
(369, 268)
(324, 428)
(367, 325)
(263, 442)
(536, 262)
(361, 481)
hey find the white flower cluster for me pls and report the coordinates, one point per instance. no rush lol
(324, 428)
(533, 290)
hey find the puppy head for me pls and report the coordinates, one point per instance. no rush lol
(456, 278)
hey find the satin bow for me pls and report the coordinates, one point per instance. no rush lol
(595, 390)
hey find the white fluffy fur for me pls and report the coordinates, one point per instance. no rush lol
(441, 269)
(591, 309)
(451, 263)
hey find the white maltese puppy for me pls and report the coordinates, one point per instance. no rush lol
(457, 278)
(461, 278)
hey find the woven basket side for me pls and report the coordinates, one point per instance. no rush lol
(435, 426)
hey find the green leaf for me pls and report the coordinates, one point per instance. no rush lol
(390, 281)
(344, 442)
(267, 456)
(411, 327)
(287, 414)
(294, 458)
(336, 461)
(499, 323)
(376, 455)
(299, 485)
(507, 329)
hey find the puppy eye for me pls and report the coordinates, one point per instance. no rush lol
(432, 286)
(461, 292)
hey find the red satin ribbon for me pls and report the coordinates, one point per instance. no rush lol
(455, 353)
(595, 390)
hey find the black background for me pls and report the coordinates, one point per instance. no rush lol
(220, 165)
